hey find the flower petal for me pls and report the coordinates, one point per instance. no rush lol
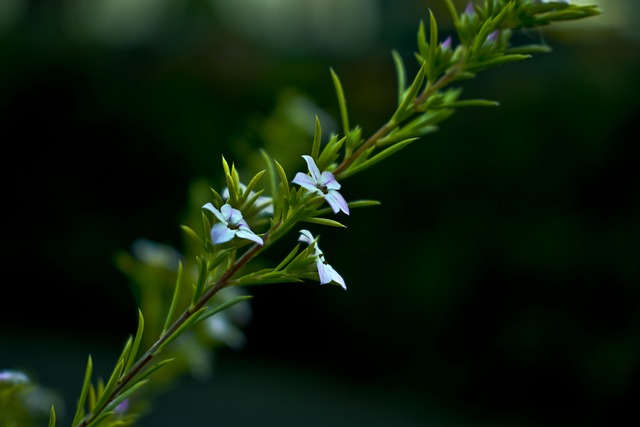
(313, 169)
(329, 181)
(337, 202)
(221, 217)
(220, 233)
(328, 274)
(306, 182)
(227, 212)
(235, 217)
(245, 233)
(306, 237)
(336, 277)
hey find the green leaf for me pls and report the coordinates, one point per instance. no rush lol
(231, 183)
(317, 139)
(175, 334)
(363, 203)
(433, 46)
(342, 102)
(504, 59)
(323, 221)
(288, 258)
(189, 232)
(217, 309)
(251, 186)
(124, 394)
(454, 13)
(283, 177)
(100, 418)
(409, 97)
(273, 183)
(423, 44)
(154, 368)
(83, 393)
(52, 417)
(174, 299)
(203, 270)
(113, 380)
(378, 157)
(528, 49)
(266, 279)
(472, 103)
(136, 342)
(329, 154)
(401, 74)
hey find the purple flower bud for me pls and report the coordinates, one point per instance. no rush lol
(493, 37)
(446, 44)
(469, 10)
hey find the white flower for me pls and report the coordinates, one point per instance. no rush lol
(324, 184)
(231, 224)
(325, 271)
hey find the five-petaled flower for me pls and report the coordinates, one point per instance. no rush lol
(324, 184)
(231, 224)
(325, 271)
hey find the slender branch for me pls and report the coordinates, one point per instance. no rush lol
(383, 131)
(144, 360)
(449, 76)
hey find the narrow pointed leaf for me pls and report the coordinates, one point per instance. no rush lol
(83, 393)
(189, 232)
(317, 139)
(324, 221)
(174, 300)
(378, 157)
(52, 417)
(401, 74)
(224, 306)
(288, 258)
(136, 341)
(113, 380)
(123, 395)
(342, 102)
(433, 46)
(175, 334)
(409, 97)
(283, 177)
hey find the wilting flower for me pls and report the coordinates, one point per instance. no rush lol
(231, 224)
(324, 184)
(325, 271)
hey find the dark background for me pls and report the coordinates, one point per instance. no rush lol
(497, 284)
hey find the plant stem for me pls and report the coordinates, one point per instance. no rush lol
(144, 360)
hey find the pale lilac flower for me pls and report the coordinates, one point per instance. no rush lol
(231, 224)
(324, 184)
(325, 271)
(156, 254)
(13, 377)
(264, 203)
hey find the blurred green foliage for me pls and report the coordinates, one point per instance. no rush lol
(512, 297)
